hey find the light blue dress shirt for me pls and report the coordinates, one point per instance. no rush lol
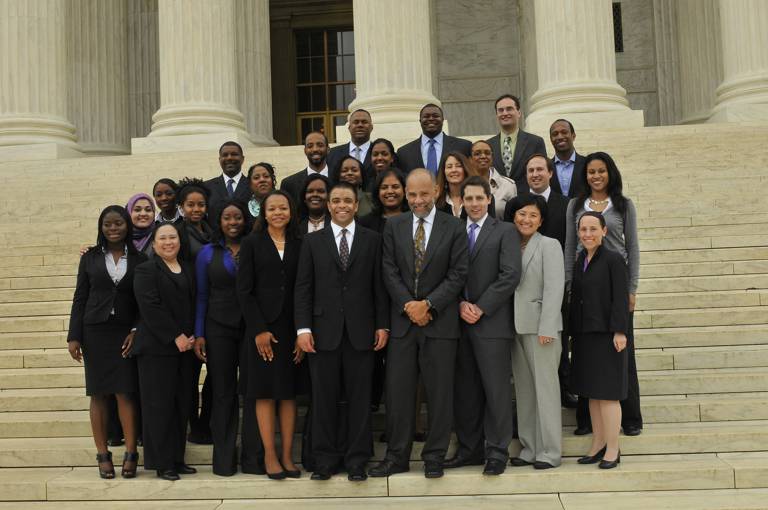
(425, 147)
(564, 171)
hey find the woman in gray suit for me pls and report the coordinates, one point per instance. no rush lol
(536, 348)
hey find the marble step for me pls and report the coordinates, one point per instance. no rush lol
(704, 255)
(33, 324)
(686, 358)
(66, 377)
(38, 282)
(702, 336)
(636, 473)
(61, 257)
(721, 380)
(724, 499)
(215, 504)
(750, 468)
(688, 243)
(702, 283)
(675, 232)
(703, 268)
(726, 316)
(36, 295)
(33, 340)
(712, 299)
(38, 308)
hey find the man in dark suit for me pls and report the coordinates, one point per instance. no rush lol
(359, 147)
(316, 150)
(427, 150)
(342, 317)
(568, 173)
(425, 268)
(512, 146)
(539, 171)
(482, 392)
(231, 183)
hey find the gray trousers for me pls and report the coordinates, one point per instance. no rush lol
(436, 359)
(539, 418)
(483, 396)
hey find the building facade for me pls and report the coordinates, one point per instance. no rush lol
(119, 76)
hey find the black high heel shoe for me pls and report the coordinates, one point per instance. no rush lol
(102, 458)
(610, 464)
(593, 459)
(130, 457)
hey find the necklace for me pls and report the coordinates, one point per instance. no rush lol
(599, 202)
(277, 241)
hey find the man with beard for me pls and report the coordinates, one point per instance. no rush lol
(568, 177)
(424, 270)
(316, 150)
(359, 147)
(427, 150)
(231, 183)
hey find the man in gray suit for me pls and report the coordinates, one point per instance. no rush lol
(424, 271)
(482, 391)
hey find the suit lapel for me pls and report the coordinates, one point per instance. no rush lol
(356, 245)
(485, 233)
(530, 250)
(327, 233)
(406, 238)
(434, 238)
(417, 148)
(522, 141)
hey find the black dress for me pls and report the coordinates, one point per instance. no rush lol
(265, 289)
(599, 308)
(103, 313)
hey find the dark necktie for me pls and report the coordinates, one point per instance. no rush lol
(418, 247)
(231, 188)
(344, 249)
(432, 156)
(472, 236)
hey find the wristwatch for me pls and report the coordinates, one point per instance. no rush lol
(429, 303)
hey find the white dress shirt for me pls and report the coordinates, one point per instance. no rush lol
(324, 171)
(480, 223)
(544, 193)
(236, 178)
(428, 222)
(363, 150)
(425, 147)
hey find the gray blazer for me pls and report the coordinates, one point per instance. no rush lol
(539, 296)
(494, 272)
(442, 277)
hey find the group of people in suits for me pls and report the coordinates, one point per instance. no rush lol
(459, 266)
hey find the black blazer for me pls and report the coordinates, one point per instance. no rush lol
(577, 180)
(293, 185)
(527, 145)
(409, 154)
(339, 152)
(166, 310)
(442, 277)
(96, 294)
(329, 299)
(265, 282)
(374, 221)
(554, 222)
(217, 187)
(600, 295)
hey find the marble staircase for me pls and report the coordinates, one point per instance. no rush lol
(701, 334)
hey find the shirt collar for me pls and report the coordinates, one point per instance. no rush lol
(438, 138)
(337, 229)
(513, 134)
(364, 147)
(571, 159)
(236, 178)
(324, 171)
(480, 222)
(125, 251)
(429, 219)
(544, 194)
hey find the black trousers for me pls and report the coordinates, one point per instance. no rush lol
(200, 410)
(436, 357)
(224, 347)
(166, 393)
(631, 416)
(379, 374)
(329, 370)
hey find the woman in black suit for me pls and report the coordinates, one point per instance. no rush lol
(219, 328)
(165, 292)
(599, 320)
(101, 331)
(268, 262)
(313, 210)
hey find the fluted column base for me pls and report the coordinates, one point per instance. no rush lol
(30, 137)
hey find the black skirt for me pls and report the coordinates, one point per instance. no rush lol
(598, 371)
(106, 371)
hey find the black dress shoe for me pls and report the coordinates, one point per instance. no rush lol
(383, 437)
(168, 474)
(185, 469)
(542, 465)
(387, 468)
(582, 431)
(292, 473)
(518, 462)
(569, 400)
(494, 467)
(632, 431)
(321, 474)
(357, 474)
(610, 464)
(593, 459)
(433, 470)
(458, 461)
(420, 437)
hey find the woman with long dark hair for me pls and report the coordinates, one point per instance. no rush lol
(383, 157)
(313, 209)
(388, 199)
(350, 170)
(101, 332)
(261, 180)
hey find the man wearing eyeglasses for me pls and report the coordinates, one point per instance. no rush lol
(512, 146)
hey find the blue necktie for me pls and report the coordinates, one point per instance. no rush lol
(231, 188)
(472, 236)
(432, 157)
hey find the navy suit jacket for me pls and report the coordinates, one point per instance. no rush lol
(410, 157)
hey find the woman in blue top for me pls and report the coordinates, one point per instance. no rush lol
(219, 332)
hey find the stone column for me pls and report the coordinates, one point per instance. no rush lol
(98, 74)
(394, 71)
(254, 69)
(198, 78)
(143, 66)
(743, 93)
(667, 61)
(577, 67)
(33, 81)
(698, 39)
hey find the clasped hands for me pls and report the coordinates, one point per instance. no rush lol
(418, 312)
(470, 312)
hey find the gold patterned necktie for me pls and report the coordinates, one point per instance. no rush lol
(418, 247)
